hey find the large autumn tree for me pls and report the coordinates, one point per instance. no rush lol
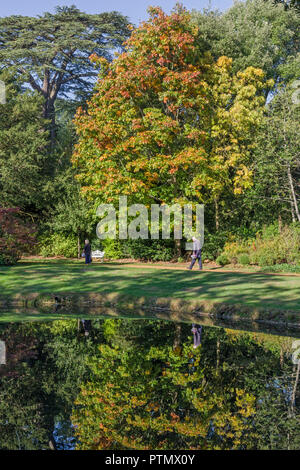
(167, 123)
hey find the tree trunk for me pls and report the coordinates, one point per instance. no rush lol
(293, 399)
(49, 113)
(279, 223)
(177, 248)
(78, 244)
(292, 191)
(217, 216)
(292, 211)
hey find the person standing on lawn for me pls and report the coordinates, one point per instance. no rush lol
(196, 254)
(87, 252)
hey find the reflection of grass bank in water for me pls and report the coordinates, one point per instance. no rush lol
(64, 305)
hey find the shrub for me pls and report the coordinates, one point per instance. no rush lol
(265, 260)
(222, 260)
(269, 247)
(58, 244)
(281, 248)
(112, 248)
(233, 250)
(214, 244)
(97, 244)
(16, 236)
(146, 250)
(149, 250)
(281, 268)
(244, 259)
(7, 259)
(270, 231)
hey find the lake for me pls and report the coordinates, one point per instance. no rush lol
(100, 382)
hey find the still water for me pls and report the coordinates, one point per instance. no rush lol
(117, 383)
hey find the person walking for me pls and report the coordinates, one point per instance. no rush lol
(87, 252)
(196, 254)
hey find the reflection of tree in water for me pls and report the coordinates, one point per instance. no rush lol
(142, 384)
(165, 394)
(46, 364)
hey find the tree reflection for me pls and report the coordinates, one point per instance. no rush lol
(166, 394)
(142, 384)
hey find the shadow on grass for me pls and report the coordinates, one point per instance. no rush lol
(253, 289)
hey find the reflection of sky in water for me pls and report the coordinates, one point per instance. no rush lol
(63, 435)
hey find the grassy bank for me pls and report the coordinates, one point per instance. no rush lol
(209, 288)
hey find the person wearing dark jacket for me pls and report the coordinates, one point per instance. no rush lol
(87, 252)
(196, 254)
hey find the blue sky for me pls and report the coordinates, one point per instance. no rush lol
(136, 10)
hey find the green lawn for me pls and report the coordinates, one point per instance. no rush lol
(255, 289)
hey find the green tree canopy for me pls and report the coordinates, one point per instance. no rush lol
(24, 166)
(50, 53)
(256, 33)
